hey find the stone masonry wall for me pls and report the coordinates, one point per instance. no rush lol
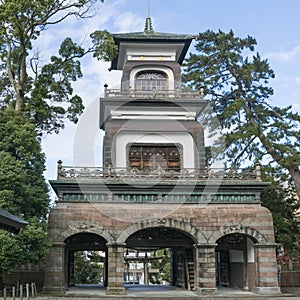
(207, 224)
(115, 222)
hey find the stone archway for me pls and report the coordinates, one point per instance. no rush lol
(236, 255)
(175, 238)
(235, 261)
(232, 228)
(85, 247)
(181, 225)
(83, 227)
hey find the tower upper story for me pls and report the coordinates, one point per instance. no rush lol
(150, 60)
(151, 113)
(151, 124)
(151, 78)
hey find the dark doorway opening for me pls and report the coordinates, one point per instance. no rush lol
(235, 262)
(160, 255)
(86, 260)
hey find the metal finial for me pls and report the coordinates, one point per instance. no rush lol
(148, 9)
(148, 25)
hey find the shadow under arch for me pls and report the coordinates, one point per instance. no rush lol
(169, 247)
(251, 232)
(236, 260)
(84, 242)
(193, 232)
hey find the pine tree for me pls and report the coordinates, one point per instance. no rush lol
(236, 83)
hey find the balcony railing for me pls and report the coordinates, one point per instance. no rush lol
(120, 174)
(173, 94)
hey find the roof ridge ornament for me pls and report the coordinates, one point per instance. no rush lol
(148, 24)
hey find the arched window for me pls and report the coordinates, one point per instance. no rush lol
(151, 81)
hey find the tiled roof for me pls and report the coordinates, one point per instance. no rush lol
(151, 35)
(10, 222)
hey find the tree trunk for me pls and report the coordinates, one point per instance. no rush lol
(15, 84)
(19, 105)
(295, 173)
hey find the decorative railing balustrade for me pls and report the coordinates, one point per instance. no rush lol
(119, 174)
(174, 94)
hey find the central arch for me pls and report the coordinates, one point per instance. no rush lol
(161, 255)
(180, 224)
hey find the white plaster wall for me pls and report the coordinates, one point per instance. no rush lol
(237, 255)
(250, 249)
(156, 113)
(184, 138)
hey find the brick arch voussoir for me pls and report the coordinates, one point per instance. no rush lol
(254, 233)
(84, 227)
(181, 225)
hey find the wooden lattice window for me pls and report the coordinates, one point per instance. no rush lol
(151, 81)
(151, 157)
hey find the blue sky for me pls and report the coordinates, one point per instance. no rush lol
(274, 23)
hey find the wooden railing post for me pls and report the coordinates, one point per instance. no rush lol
(14, 292)
(21, 291)
(27, 291)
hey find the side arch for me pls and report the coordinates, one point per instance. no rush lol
(241, 229)
(84, 227)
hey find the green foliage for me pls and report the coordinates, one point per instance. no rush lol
(53, 85)
(34, 241)
(85, 271)
(31, 245)
(23, 190)
(43, 91)
(35, 97)
(164, 266)
(236, 81)
(10, 252)
(104, 45)
(285, 211)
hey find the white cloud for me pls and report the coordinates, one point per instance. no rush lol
(296, 106)
(285, 56)
(112, 16)
(129, 22)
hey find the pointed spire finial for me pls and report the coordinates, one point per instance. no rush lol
(148, 24)
(148, 9)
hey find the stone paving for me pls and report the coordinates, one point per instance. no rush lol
(139, 292)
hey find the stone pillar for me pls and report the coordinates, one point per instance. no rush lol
(146, 272)
(115, 276)
(206, 268)
(54, 271)
(266, 268)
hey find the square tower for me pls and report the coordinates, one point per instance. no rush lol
(151, 122)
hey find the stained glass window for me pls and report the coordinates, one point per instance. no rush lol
(151, 81)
